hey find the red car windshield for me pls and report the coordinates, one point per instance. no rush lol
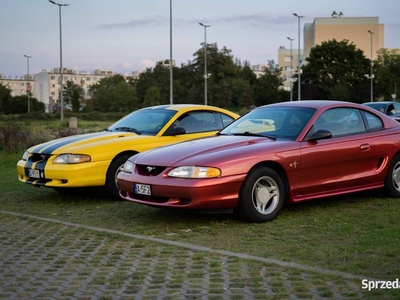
(277, 122)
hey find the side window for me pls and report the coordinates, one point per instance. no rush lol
(373, 122)
(226, 120)
(202, 121)
(194, 122)
(391, 110)
(397, 107)
(340, 121)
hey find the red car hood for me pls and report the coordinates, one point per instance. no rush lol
(206, 151)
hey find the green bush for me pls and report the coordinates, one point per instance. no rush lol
(17, 137)
(97, 116)
(41, 116)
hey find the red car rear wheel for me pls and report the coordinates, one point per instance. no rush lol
(392, 182)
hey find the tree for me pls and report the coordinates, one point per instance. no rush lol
(242, 93)
(144, 81)
(387, 74)
(244, 87)
(5, 96)
(153, 77)
(268, 85)
(221, 69)
(230, 84)
(152, 97)
(335, 69)
(112, 93)
(247, 74)
(107, 83)
(72, 94)
(19, 105)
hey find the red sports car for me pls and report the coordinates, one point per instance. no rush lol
(291, 151)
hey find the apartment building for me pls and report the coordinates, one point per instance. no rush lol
(364, 32)
(47, 83)
(45, 86)
(18, 85)
(259, 69)
(288, 60)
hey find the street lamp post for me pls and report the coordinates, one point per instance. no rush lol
(298, 58)
(28, 87)
(61, 77)
(371, 75)
(205, 62)
(171, 91)
(291, 69)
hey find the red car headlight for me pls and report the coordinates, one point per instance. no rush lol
(194, 172)
(128, 167)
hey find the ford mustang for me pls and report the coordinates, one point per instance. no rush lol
(293, 151)
(94, 159)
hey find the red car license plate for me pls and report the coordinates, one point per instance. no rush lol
(33, 173)
(142, 189)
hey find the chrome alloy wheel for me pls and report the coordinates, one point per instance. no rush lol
(265, 195)
(396, 176)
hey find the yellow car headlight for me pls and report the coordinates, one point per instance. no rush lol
(194, 172)
(71, 159)
(25, 156)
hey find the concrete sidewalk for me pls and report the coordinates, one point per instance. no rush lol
(43, 258)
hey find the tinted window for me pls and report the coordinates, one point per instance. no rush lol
(382, 107)
(278, 122)
(373, 122)
(340, 121)
(226, 120)
(202, 121)
(146, 121)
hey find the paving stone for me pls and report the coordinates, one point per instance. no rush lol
(49, 260)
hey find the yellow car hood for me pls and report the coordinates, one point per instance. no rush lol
(100, 143)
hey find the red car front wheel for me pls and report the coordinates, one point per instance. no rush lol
(262, 196)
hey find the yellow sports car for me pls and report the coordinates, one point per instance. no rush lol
(94, 159)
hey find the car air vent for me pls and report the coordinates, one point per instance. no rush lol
(39, 157)
(147, 170)
(154, 199)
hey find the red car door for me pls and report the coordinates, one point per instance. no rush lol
(346, 161)
(337, 165)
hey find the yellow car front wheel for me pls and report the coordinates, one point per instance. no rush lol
(112, 172)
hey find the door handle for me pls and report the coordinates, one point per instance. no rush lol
(365, 147)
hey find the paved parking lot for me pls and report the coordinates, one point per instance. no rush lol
(49, 259)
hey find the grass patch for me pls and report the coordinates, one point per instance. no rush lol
(357, 233)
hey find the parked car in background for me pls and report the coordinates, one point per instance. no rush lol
(390, 108)
(292, 151)
(94, 159)
(66, 108)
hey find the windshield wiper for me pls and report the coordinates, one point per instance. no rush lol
(248, 133)
(128, 129)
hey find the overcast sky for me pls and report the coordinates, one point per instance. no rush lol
(130, 35)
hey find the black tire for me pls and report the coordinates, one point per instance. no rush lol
(392, 181)
(262, 196)
(111, 177)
